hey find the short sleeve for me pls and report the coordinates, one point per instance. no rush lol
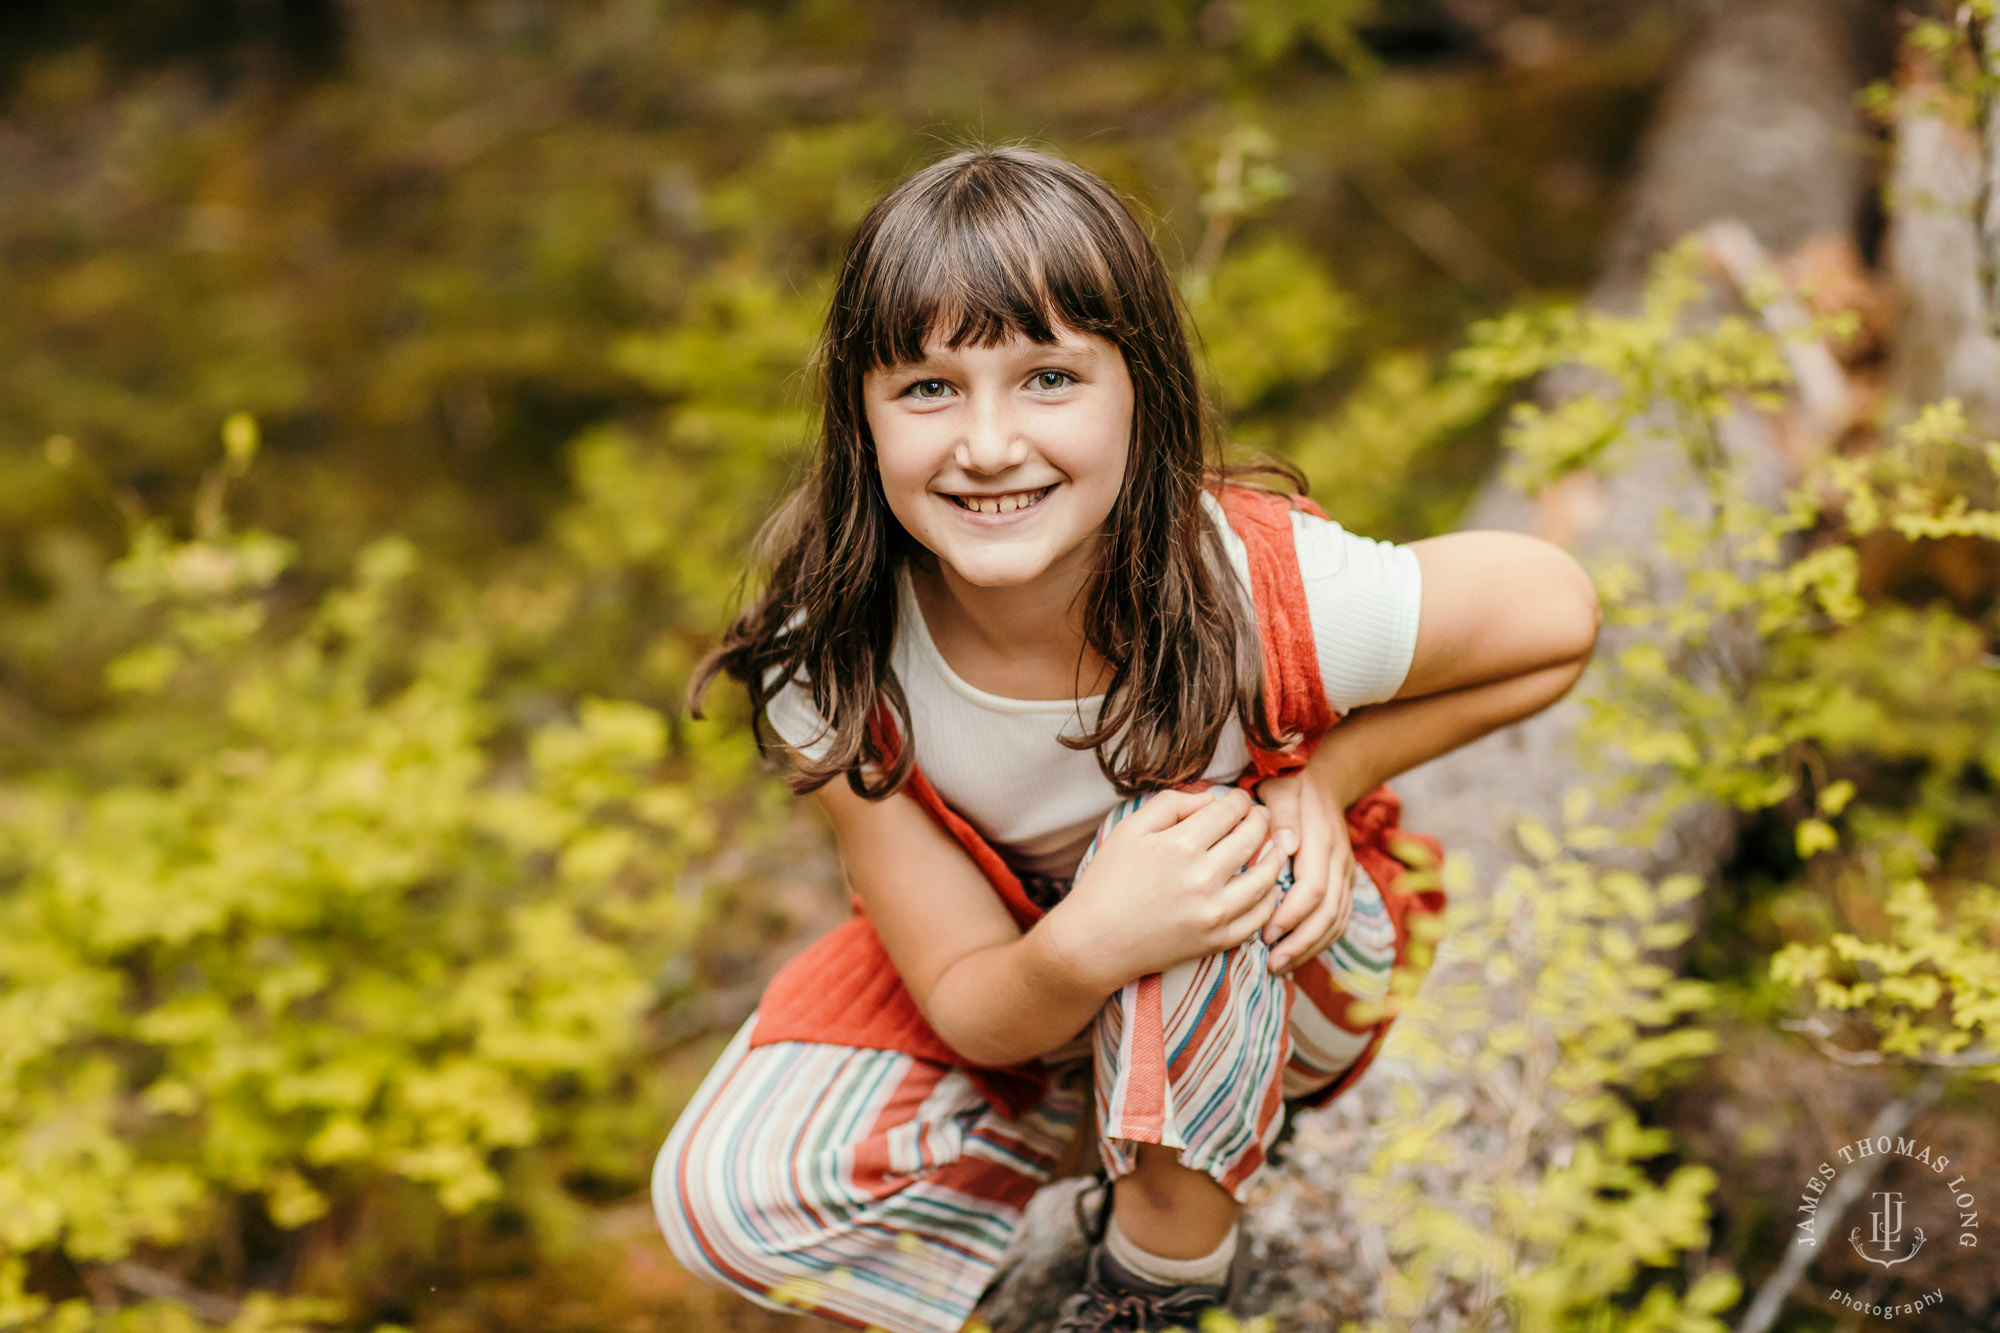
(1362, 596)
(794, 719)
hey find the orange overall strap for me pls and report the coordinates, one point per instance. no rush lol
(1294, 695)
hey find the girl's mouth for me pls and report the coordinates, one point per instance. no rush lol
(1006, 503)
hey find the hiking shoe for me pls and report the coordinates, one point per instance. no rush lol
(1113, 1300)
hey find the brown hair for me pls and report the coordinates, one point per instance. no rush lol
(983, 245)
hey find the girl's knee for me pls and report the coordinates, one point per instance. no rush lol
(714, 1228)
(686, 1203)
(710, 1220)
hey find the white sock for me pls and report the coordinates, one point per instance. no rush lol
(1212, 1267)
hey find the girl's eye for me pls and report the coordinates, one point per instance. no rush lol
(921, 389)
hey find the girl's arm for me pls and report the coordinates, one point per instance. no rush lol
(1180, 877)
(995, 994)
(1378, 742)
(1498, 606)
(1507, 624)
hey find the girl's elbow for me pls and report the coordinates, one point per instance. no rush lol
(1593, 618)
(976, 1045)
(975, 1041)
(1582, 641)
(1567, 613)
(980, 1036)
(1585, 619)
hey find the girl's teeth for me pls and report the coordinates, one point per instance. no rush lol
(1005, 504)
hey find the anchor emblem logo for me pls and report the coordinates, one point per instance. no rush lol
(1886, 1230)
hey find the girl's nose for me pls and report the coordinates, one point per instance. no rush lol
(992, 442)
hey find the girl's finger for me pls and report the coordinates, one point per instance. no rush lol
(1318, 932)
(1216, 817)
(1305, 941)
(1300, 899)
(1324, 942)
(1239, 846)
(1164, 809)
(1309, 868)
(1281, 797)
(1346, 912)
(1247, 891)
(1310, 952)
(1252, 918)
(1342, 873)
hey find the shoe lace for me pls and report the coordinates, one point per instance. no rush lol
(1097, 1310)
(1100, 1185)
(1102, 1312)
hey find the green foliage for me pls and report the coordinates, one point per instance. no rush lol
(350, 923)
(1867, 726)
(1657, 371)
(1278, 332)
(1267, 30)
(1393, 456)
(1953, 52)
(1275, 321)
(1930, 992)
(1849, 685)
(1553, 1216)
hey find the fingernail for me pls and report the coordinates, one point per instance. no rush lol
(1278, 961)
(1288, 840)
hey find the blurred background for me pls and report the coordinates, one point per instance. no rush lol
(389, 392)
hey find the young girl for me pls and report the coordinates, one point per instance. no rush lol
(1015, 605)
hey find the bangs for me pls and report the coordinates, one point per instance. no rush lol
(972, 266)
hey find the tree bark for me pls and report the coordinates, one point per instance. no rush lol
(1757, 125)
(1941, 250)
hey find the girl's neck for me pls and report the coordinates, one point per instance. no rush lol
(1024, 641)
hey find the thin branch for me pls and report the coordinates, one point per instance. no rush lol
(1228, 176)
(142, 1280)
(1426, 222)
(1820, 387)
(1816, 1030)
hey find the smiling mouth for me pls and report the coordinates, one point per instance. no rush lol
(1001, 504)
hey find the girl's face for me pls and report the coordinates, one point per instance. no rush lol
(1004, 461)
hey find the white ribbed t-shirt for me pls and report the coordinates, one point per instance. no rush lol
(997, 761)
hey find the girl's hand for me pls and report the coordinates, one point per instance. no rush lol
(1314, 912)
(1173, 881)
